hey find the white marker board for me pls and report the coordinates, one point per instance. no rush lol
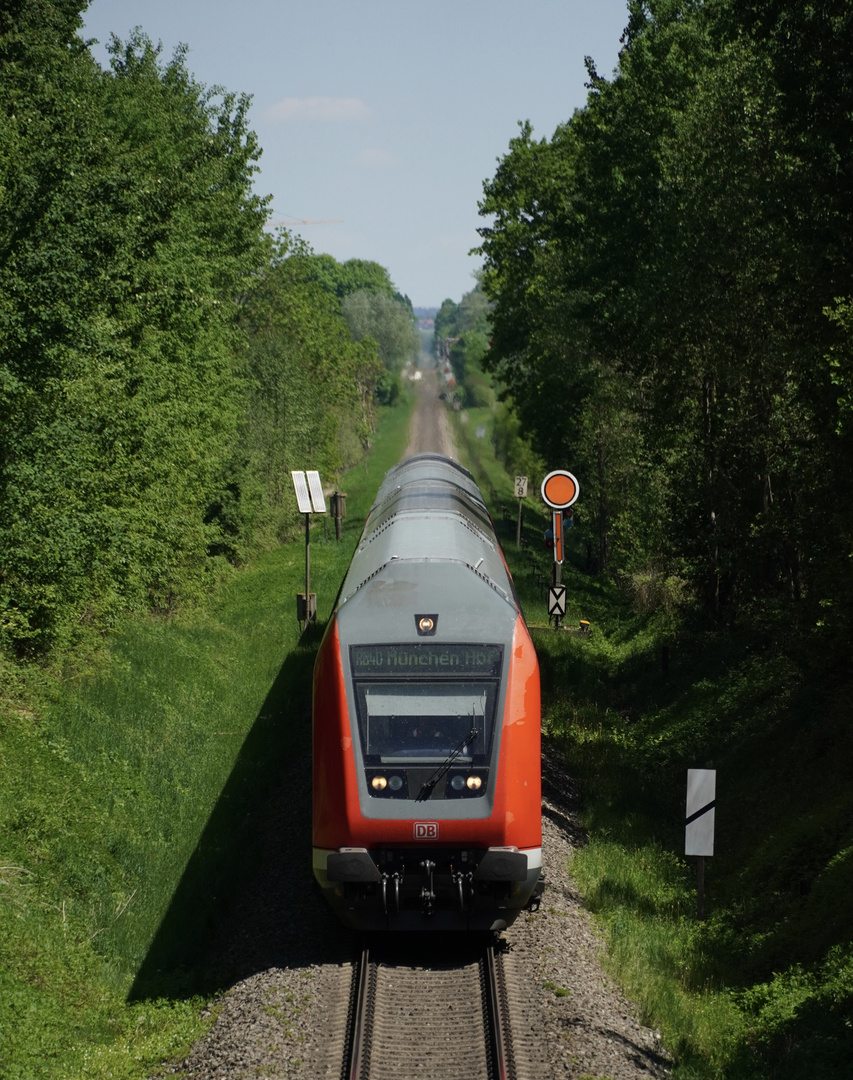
(699, 817)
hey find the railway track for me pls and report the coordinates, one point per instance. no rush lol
(440, 1014)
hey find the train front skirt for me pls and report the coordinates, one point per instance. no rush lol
(426, 888)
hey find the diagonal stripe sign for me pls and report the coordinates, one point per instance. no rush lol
(699, 816)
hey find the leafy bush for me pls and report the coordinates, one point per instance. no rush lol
(652, 591)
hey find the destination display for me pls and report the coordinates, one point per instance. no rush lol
(427, 659)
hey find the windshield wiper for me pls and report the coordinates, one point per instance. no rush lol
(441, 771)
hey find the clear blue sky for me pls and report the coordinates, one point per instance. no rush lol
(387, 114)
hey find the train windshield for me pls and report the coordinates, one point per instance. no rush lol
(419, 702)
(423, 722)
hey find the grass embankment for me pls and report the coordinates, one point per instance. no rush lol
(130, 794)
(763, 988)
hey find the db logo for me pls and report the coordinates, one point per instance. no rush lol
(426, 830)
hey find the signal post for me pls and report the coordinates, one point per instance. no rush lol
(560, 490)
(309, 499)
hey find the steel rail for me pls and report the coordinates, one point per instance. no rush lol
(358, 1048)
(497, 1026)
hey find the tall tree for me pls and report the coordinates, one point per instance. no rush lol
(310, 400)
(667, 260)
(389, 322)
(128, 233)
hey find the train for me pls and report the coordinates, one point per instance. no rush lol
(426, 719)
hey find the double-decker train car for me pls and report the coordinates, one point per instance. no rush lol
(426, 727)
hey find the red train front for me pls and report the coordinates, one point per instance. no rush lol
(427, 792)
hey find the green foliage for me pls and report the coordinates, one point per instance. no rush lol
(342, 279)
(379, 319)
(108, 785)
(389, 322)
(462, 337)
(310, 401)
(163, 365)
(796, 1016)
(642, 895)
(126, 233)
(512, 445)
(735, 996)
(661, 272)
(389, 388)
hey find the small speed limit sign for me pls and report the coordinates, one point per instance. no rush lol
(521, 487)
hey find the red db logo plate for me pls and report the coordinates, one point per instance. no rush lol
(426, 830)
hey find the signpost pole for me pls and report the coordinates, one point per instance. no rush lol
(560, 490)
(307, 569)
(338, 505)
(557, 576)
(310, 500)
(557, 529)
(520, 494)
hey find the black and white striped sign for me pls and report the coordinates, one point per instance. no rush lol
(699, 821)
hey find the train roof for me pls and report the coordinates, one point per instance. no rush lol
(428, 545)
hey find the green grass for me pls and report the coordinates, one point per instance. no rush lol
(127, 790)
(763, 988)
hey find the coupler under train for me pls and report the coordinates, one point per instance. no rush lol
(430, 889)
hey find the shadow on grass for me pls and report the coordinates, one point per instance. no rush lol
(247, 891)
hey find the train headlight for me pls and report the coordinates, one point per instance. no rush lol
(457, 783)
(395, 783)
(378, 783)
(474, 783)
